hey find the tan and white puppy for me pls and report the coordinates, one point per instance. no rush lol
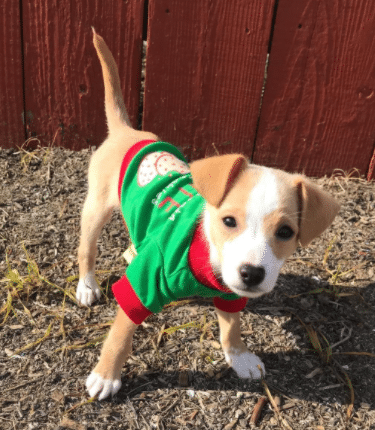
(254, 218)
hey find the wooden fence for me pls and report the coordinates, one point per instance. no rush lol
(205, 87)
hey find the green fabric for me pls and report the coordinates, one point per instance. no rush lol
(160, 272)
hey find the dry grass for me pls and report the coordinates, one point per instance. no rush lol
(313, 332)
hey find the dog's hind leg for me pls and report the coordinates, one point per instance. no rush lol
(94, 216)
(100, 201)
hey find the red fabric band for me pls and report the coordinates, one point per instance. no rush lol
(129, 301)
(230, 306)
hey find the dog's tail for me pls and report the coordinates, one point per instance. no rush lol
(117, 117)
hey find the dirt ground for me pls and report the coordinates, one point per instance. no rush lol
(315, 332)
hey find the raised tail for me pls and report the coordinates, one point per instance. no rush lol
(117, 117)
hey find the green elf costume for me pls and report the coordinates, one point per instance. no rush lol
(162, 211)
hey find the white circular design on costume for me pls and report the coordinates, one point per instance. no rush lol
(169, 163)
(159, 163)
(147, 169)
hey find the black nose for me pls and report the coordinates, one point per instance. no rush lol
(252, 275)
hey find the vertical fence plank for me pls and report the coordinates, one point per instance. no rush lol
(371, 168)
(64, 90)
(204, 73)
(12, 131)
(319, 104)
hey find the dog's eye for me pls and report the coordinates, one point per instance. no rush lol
(229, 221)
(284, 233)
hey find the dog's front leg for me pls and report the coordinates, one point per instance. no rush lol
(236, 353)
(105, 379)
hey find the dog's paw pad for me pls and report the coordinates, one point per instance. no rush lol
(245, 363)
(88, 290)
(96, 384)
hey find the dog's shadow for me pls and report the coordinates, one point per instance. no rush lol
(341, 324)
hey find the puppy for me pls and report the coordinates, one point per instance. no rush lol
(219, 228)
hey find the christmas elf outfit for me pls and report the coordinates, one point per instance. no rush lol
(162, 211)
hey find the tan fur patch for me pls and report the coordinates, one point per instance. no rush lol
(233, 205)
(286, 214)
(272, 222)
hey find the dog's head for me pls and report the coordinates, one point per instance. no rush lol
(255, 217)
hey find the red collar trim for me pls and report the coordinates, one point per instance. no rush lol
(199, 261)
(130, 154)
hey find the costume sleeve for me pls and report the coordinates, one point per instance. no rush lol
(129, 301)
(230, 306)
(141, 291)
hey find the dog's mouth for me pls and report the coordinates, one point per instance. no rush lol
(240, 290)
(252, 293)
(249, 292)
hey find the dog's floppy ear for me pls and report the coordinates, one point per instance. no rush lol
(317, 210)
(213, 177)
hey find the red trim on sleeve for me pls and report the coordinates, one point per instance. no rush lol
(129, 301)
(132, 151)
(231, 306)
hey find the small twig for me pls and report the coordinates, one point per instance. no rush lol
(343, 340)
(171, 406)
(22, 385)
(258, 410)
(330, 387)
(139, 386)
(273, 402)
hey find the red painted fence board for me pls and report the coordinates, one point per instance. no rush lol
(204, 73)
(12, 130)
(371, 169)
(204, 77)
(64, 90)
(319, 105)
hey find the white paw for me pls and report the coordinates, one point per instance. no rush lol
(95, 384)
(88, 290)
(244, 363)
